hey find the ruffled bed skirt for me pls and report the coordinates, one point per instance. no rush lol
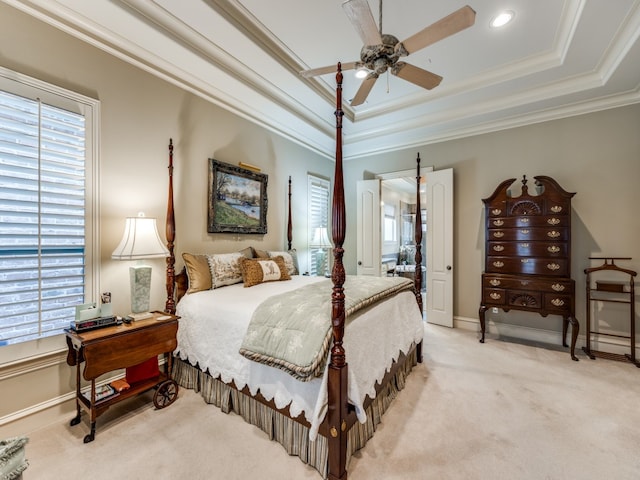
(292, 435)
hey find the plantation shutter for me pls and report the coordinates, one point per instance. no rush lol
(42, 209)
(318, 203)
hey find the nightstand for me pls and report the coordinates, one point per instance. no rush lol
(117, 347)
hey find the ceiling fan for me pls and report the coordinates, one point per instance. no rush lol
(382, 52)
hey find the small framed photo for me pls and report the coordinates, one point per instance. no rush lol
(237, 199)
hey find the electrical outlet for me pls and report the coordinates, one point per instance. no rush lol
(494, 310)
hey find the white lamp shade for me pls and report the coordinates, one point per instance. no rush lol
(320, 238)
(140, 240)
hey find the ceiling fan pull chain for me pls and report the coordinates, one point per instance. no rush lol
(380, 16)
(388, 89)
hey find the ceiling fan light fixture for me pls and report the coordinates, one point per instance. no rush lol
(361, 72)
(502, 18)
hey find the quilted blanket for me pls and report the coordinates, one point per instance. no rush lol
(292, 331)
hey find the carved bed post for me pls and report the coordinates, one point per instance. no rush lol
(337, 383)
(170, 305)
(289, 227)
(417, 281)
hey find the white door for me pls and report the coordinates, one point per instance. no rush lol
(439, 204)
(368, 225)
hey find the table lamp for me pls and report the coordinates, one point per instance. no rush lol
(140, 241)
(321, 240)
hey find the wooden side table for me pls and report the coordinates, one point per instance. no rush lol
(118, 347)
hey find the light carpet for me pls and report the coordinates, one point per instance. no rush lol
(501, 410)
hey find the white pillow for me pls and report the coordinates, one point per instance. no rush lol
(290, 259)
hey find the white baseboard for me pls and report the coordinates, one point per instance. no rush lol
(54, 410)
(28, 420)
(552, 337)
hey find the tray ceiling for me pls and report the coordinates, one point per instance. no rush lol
(555, 59)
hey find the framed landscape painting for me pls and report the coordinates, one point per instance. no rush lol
(237, 199)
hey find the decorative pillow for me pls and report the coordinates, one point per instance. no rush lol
(198, 272)
(247, 252)
(260, 253)
(225, 268)
(290, 260)
(294, 258)
(260, 270)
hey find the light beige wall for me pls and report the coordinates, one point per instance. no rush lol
(139, 114)
(595, 155)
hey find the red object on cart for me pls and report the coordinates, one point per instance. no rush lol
(143, 371)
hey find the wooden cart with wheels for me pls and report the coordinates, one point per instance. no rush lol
(118, 347)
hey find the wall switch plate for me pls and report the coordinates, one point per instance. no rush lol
(494, 310)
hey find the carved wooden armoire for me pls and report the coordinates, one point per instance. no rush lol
(528, 253)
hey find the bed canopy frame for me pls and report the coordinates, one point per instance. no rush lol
(340, 415)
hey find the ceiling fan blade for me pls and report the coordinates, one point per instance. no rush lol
(361, 18)
(416, 75)
(365, 88)
(443, 28)
(328, 69)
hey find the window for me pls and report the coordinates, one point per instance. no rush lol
(47, 187)
(318, 221)
(390, 230)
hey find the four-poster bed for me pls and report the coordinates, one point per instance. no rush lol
(333, 414)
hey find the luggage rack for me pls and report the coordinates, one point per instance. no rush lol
(620, 290)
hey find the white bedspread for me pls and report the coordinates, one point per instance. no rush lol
(213, 324)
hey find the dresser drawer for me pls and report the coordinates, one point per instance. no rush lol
(522, 282)
(557, 303)
(557, 207)
(525, 221)
(528, 249)
(542, 234)
(494, 296)
(528, 265)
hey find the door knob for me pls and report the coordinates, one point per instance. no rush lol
(359, 262)
(448, 267)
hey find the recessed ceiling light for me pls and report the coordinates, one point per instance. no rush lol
(502, 19)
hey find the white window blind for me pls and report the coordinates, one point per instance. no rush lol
(45, 240)
(318, 190)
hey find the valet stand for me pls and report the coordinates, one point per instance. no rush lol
(616, 291)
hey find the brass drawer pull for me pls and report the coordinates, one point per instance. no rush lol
(496, 211)
(495, 282)
(553, 234)
(524, 220)
(524, 245)
(498, 223)
(498, 234)
(524, 260)
(524, 231)
(553, 221)
(556, 209)
(558, 287)
(498, 248)
(553, 266)
(558, 302)
(498, 264)
(495, 296)
(553, 249)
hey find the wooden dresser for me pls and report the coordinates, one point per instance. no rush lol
(528, 253)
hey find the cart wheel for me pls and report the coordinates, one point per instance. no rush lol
(166, 394)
